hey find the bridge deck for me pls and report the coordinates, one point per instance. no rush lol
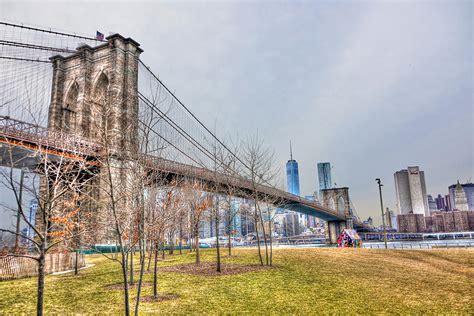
(24, 138)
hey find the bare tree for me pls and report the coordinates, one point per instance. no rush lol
(198, 202)
(229, 173)
(260, 161)
(161, 205)
(59, 185)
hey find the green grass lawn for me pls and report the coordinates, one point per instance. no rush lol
(305, 281)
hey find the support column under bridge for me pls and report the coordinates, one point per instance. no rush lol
(338, 199)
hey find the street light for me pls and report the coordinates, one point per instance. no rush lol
(383, 215)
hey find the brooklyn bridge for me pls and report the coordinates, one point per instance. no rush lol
(61, 93)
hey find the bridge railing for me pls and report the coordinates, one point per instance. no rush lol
(283, 197)
(31, 133)
(35, 134)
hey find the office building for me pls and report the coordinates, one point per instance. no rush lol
(292, 175)
(311, 221)
(324, 175)
(432, 204)
(291, 225)
(468, 190)
(447, 200)
(410, 190)
(454, 221)
(440, 203)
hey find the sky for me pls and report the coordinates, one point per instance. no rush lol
(370, 86)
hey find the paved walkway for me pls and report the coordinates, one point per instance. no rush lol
(69, 271)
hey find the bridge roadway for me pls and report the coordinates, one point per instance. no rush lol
(24, 138)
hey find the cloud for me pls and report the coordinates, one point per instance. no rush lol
(370, 86)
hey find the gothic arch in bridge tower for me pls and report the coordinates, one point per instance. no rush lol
(338, 200)
(331, 203)
(341, 205)
(69, 109)
(100, 109)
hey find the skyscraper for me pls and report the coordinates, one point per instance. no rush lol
(410, 189)
(324, 175)
(432, 204)
(460, 199)
(440, 203)
(468, 189)
(292, 175)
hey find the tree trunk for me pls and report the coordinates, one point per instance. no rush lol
(265, 240)
(198, 259)
(230, 227)
(271, 243)
(180, 240)
(155, 272)
(217, 244)
(149, 257)
(142, 249)
(258, 236)
(171, 250)
(41, 273)
(76, 263)
(163, 250)
(125, 282)
(131, 265)
(142, 270)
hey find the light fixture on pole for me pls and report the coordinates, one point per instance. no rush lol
(383, 215)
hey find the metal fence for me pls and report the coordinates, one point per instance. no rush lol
(420, 245)
(20, 267)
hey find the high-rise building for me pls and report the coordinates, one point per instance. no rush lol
(291, 225)
(468, 189)
(449, 205)
(292, 175)
(432, 204)
(440, 203)
(460, 199)
(410, 189)
(311, 221)
(324, 175)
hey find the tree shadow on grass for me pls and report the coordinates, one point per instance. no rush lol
(160, 298)
(119, 286)
(210, 268)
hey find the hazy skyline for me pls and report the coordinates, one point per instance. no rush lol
(370, 86)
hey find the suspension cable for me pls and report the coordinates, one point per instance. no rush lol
(50, 31)
(192, 114)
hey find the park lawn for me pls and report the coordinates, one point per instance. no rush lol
(304, 281)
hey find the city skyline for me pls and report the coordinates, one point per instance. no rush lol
(145, 166)
(364, 95)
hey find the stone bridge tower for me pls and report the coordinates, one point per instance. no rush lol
(95, 90)
(337, 199)
(95, 95)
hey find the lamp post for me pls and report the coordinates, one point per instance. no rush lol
(383, 215)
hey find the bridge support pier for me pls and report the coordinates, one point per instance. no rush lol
(334, 229)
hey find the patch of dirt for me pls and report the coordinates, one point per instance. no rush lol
(209, 268)
(119, 286)
(160, 298)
